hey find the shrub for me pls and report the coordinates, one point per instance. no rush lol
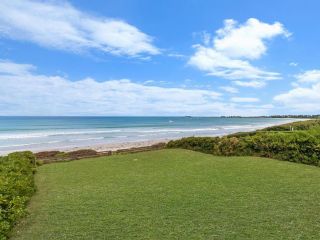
(230, 146)
(16, 188)
(200, 144)
(301, 146)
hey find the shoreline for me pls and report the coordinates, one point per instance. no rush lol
(119, 146)
(125, 145)
(148, 143)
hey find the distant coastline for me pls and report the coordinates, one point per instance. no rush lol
(278, 116)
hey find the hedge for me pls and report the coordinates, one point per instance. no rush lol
(16, 188)
(302, 146)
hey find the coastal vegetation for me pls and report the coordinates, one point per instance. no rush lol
(16, 188)
(58, 156)
(173, 194)
(295, 142)
(159, 191)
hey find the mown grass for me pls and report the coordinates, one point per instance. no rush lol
(174, 194)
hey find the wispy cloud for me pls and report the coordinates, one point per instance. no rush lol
(252, 84)
(24, 92)
(293, 64)
(311, 76)
(8, 68)
(305, 95)
(244, 99)
(229, 89)
(230, 52)
(177, 55)
(59, 25)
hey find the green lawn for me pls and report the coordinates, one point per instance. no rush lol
(174, 194)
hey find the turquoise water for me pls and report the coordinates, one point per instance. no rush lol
(41, 133)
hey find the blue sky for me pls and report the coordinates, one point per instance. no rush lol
(140, 57)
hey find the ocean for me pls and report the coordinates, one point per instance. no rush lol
(43, 133)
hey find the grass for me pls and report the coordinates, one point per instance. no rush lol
(174, 194)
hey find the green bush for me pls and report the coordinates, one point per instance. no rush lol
(200, 144)
(303, 125)
(299, 147)
(302, 146)
(16, 188)
(230, 146)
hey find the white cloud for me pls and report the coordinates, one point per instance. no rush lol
(301, 99)
(246, 40)
(7, 67)
(217, 64)
(229, 89)
(293, 64)
(305, 95)
(244, 99)
(148, 82)
(264, 106)
(176, 55)
(311, 76)
(27, 93)
(253, 84)
(59, 25)
(234, 46)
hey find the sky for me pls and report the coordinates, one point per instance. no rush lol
(159, 58)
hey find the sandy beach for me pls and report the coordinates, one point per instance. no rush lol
(133, 144)
(119, 146)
